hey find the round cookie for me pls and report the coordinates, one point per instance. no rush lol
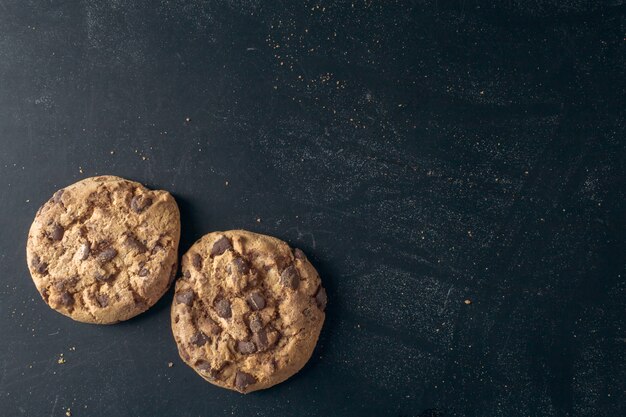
(247, 311)
(104, 249)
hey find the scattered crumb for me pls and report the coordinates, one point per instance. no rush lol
(143, 158)
(226, 183)
(28, 201)
(80, 169)
(170, 364)
(73, 348)
(68, 413)
(258, 220)
(187, 119)
(61, 359)
(468, 301)
(112, 152)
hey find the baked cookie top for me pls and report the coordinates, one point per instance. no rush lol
(104, 249)
(248, 310)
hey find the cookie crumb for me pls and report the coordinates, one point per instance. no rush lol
(68, 413)
(187, 119)
(61, 359)
(226, 184)
(143, 158)
(80, 169)
(170, 364)
(258, 220)
(468, 301)
(112, 152)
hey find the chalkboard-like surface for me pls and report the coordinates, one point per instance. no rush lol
(455, 171)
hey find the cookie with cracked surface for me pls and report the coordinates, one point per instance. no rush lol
(247, 311)
(104, 249)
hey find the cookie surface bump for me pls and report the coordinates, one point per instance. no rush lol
(247, 311)
(104, 249)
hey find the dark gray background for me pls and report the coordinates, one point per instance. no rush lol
(421, 153)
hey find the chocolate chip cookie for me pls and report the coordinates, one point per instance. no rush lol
(104, 249)
(247, 311)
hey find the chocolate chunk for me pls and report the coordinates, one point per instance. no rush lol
(321, 298)
(260, 339)
(45, 294)
(241, 265)
(299, 254)
(143, 272)
(102, 299)
(65, 283)
(187, 274)
(196, 261)
(107, 254)
(57, 196)
(243, 379)
(255, 324)
(42, 268)
(208, 326)
(185, 297)
(256, 301)
(83, 251)
(56, 233)
(139, 203)
(246, 347)
(38, 265)
(134, 243)
(222, 308)
(67, 299)
(290, 278)
(199, 339)
(203, 366)
(104, 278)
(220, 246)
